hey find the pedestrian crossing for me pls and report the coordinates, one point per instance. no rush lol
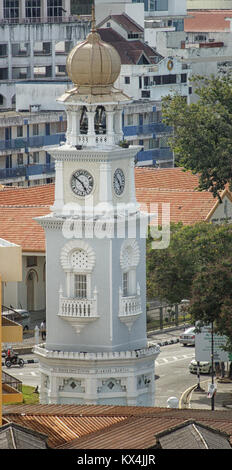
(171, 359)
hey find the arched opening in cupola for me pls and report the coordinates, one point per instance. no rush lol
(100, 120)
(84, 121)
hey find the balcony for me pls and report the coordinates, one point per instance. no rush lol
(145, 129)
(26, 171)
(34, 141)
(78, 312)
(156, 155)
(129, 308)
(11, 389)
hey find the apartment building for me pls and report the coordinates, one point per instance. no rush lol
(36, 36)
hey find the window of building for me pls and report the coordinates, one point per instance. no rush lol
(54, 8)
(19, 131)
(11, 9)
(153, 143)
(127, 80)
(31, 261)
(33, 8)
(1, 100)
(20, 159)
(108, 25)
(125, 284)
(3, 50)
(81, 7)
(80, 286)
(130, 119)
(42, 48)
(190, 90)
(3, 73)
(183, 77)
(35, 129)
(35, 157)
(145, 94)
(20, 73)
(20, 49)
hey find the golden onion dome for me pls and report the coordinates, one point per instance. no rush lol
(93, 62)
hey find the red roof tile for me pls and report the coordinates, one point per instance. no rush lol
(126, 22)
(19, 206)
(207, 21)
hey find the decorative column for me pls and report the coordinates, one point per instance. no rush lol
(91, 391)
(1, 10)
(132, 182)
(91, 129)
(110, 127)
(132, 391)
(59, 190)
(22, 10)
(105, 185)
(118, 125)
(45, 11)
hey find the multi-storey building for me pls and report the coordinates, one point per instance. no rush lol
(36, 36)
(23, 137)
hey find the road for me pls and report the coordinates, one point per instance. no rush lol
(171, 371)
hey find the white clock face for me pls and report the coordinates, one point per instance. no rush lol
(82, 183)
(119, 181)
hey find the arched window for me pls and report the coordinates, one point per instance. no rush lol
(78, 260)
(129, 259)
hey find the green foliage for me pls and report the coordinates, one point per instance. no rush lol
(202, 131)
(211, 299)
(170, 272)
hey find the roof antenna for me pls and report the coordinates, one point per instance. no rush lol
(93, 21)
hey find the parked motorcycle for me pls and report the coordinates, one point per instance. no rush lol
(14, 360)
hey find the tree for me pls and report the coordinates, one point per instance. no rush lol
(211, 299)
(202, 132)
(170, 272)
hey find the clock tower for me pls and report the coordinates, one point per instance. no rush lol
(96, 346)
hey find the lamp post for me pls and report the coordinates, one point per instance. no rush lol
(212, 367)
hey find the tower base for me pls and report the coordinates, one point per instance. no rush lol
(124, 378)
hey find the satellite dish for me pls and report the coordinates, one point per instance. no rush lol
(173, 402)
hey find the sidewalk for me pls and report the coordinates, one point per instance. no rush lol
(193, 399)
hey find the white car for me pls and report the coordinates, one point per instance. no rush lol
(204, 367)
(188, 336)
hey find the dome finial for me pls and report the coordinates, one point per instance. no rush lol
(93, 26)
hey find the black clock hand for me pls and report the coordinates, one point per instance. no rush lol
(81, 183)
(119, 183)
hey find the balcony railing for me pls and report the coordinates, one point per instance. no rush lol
(129, 308)
(34, 141)
(27, 170)
(160, 154)
(153, 128)
(78, 312)
(36, 20)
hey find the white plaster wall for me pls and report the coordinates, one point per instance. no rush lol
(223, 212)
(44, 94)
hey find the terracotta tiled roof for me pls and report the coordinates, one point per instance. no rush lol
(126, 22)
(17, 226)
(175, 187)
(109, 427)
(207, 21)
(33, 195)
(129, 51)
(19, 206)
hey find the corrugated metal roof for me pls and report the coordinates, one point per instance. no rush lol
(109, 427)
